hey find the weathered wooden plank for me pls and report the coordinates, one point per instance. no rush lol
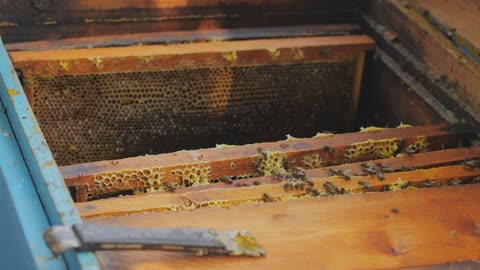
(180, 56)
(161, 202)
(209, 35)
(412, 228)
(442, 60)
(205, 165)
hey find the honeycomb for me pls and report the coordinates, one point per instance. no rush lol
(193, 175)
(419, 145)
(109, 116)
(312, 161)
(274, 163)
(381, 148)
(148, 178)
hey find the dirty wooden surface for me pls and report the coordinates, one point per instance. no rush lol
(410, 228)
(220, 160)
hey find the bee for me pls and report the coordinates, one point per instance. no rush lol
(225, 179)
(364, 184)
(339, 173)
(471, 165)
(384, 168)
(405, 168)
(278, 176)
(256, 183)
(299, 186)
(315, 193)
(299, 173)
(395, 211)
(285, 163)
(262, 152)
(369, 171)
(367, 165)
(241, 185)
(168, 187)
(406, 185)
(288, 186)
(329, 149)
(385, 188)
(380, 176)
(455, 182)
(429, 184)
(410, 150)
(309, 182)
(266, 198)
(476, 180)
(331, 188)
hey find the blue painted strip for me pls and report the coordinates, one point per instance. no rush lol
(23, 219)
(48, 181)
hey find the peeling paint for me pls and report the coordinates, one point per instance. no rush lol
(12, 92)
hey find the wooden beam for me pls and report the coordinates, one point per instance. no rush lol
(396, 230)
(106, 177)
(166, 202)
(186, 56)
(168, 37)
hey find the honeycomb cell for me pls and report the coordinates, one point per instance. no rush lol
(273, 164)
(193, 175)
(312, 161)
(381, 148)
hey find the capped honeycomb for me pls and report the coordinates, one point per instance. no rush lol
(108, 116)
(381, 148)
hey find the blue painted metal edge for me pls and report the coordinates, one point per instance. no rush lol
(23, 218)
(47, 178)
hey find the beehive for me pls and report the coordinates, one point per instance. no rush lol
(100, 104)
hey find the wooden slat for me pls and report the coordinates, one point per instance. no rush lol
(427, 227)
(237, 160)
(168, 37)
(179, 56)
(417, 161)
(253, 194)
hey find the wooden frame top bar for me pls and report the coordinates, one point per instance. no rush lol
(195, 55)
